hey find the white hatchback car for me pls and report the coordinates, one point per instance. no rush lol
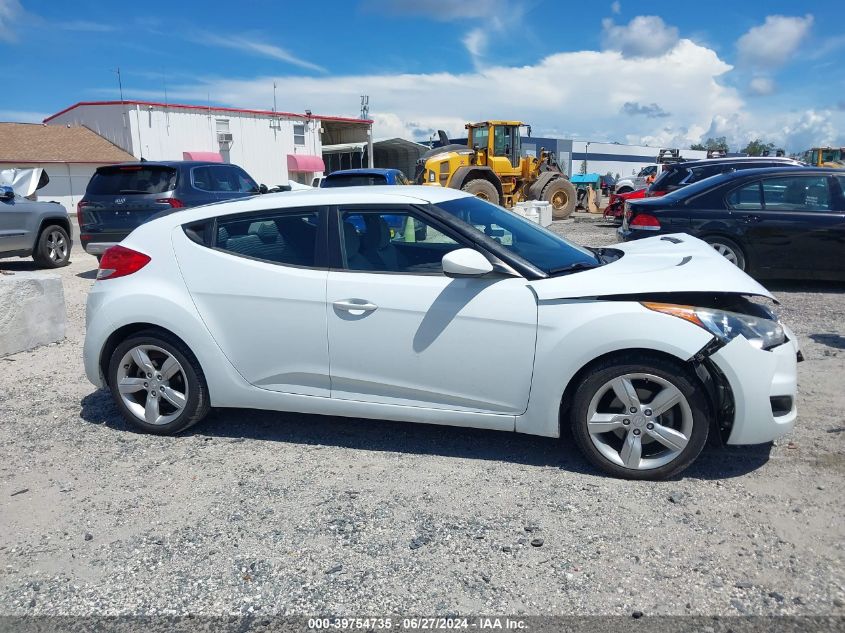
(430, 305)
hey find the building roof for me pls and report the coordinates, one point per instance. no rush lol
(211, 108)
(37, 143)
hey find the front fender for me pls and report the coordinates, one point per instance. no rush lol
(573, 333)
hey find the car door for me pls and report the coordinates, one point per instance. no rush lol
(16, 220)
(792, 232)
(259, 284)
(402, 333)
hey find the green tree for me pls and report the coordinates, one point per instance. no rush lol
(759, 148)
(718, 143)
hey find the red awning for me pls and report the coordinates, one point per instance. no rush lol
(305, 162)
(211, 157)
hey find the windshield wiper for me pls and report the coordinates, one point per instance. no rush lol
(133, 191)
(572, 268)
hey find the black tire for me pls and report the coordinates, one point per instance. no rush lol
(52, 250)
(671, 371)
(197, 402)
(484, 189)
(561, 193)
(729, 249)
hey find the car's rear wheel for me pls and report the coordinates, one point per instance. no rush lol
(53, 247)
(157, 383)
(640, 417)
(728, 249)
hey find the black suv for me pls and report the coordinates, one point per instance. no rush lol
(122, 197)
(678, 175)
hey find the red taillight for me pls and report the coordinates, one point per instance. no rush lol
(79, 206)
(119, 261)
(175, 203)
(645, 222)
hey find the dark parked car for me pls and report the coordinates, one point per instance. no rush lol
(781, 222)
(364, 177)
(122, 197)
(679, 175)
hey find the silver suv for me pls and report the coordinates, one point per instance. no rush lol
(40, 230)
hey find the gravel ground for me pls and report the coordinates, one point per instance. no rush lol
(267, 513)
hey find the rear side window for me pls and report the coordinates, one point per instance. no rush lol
(670, 178)
(129, 179)
(354, 180)
(223, 179)
(746, 198)
(281, 237)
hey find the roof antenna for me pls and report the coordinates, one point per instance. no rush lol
(365, 107)
(119, 82)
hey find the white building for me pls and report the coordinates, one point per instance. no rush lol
(625, 160)
(68, 155)
(272, 147)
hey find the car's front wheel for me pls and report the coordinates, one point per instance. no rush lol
(640, 416)
(157, 383)
(53, 247)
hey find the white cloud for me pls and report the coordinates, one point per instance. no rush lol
(644, 36)
(773, 43)
(761, 86)
(615, 7)
(475, 41)
(22, 116)
(251, 44)
(10, 12)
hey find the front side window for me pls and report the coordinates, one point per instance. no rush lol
(223, 179)
(281, 237)
(540, 247)
(797, 193)
(392, 241)
(299, 134)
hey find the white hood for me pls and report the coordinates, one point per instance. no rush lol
(664, 263)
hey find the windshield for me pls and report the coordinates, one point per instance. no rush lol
(354, 180)
(132, 179)
(545, 250)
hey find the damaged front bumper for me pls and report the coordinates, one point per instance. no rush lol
(763, 385)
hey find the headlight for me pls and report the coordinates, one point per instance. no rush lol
(726, 326)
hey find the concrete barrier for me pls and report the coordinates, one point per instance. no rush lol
(32, 311)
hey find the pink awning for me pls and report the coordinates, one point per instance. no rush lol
(211, 157)
(305, 162)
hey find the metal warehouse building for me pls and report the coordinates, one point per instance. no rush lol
(272, 146)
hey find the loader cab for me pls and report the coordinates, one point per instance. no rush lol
(500, 140)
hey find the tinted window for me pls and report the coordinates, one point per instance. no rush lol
(131, 179)
(480, 136)
(280, 237)
(747, 197)
(797, 193)
(669, 178)
(542, 248)
(223, 178)
(837, 192)
(354, 180)
(398, 242)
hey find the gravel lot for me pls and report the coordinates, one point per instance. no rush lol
(256, 512)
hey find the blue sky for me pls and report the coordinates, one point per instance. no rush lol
(661, 73)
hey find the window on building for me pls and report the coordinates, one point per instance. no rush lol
(299, 134)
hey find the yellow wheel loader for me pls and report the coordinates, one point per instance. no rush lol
(490, 166)
(825, 157)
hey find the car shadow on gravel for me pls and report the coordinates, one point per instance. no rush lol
(418, 439)
(12, 265)
(836, 341)
(804, 285)
(88, 274)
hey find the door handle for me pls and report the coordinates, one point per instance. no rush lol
(355, 305)
(750, 219)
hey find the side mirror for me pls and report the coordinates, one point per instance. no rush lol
(262, 188)
(7, 193)
(466, 262)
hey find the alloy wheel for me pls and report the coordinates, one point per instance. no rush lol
(727, 252)
(152, 384)
(56, 246)
(639, 421)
